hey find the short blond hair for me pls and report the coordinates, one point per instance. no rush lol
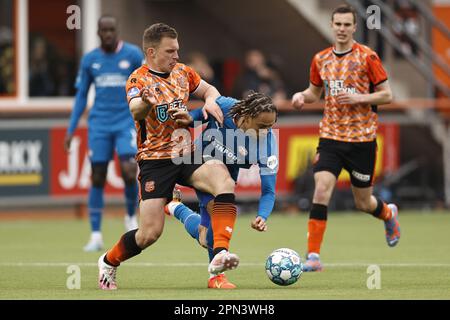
(153, 35)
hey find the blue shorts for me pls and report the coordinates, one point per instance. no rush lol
(102, 143)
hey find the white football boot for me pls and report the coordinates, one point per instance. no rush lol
(222, 262)
(106, 275)
(95, 242)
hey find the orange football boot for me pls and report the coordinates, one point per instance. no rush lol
(220, 282)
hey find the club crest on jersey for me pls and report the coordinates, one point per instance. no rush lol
(124, 64)
(149, 186)
(162, 110)
(161, 113)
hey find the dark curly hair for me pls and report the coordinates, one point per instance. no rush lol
(253, 105)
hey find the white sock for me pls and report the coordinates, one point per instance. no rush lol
(313, 254)
(96, 236)
(172, 206)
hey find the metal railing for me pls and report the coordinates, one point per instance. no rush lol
(430, 56)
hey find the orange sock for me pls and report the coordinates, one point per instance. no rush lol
(382, 211)
(223, 219)
(116, 255)
(316, 230)
(386, 213)
(124, 249)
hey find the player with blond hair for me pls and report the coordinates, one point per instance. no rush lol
(160, 85)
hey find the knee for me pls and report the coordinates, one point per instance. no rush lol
(146, 237)
(129, 174)
(98, 177)
(322, 193)
(225, 186)
(129, 177)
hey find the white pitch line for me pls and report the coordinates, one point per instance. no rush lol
(197, 264)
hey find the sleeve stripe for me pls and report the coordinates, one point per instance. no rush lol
(131, 98)
(317, 85)
(198, 85)
(380, 82)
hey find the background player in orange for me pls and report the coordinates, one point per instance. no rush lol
(161, 85)
(355, 82)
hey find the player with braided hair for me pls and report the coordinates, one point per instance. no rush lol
(245, 139)
(252, 106)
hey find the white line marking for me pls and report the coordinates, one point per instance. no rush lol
(197, 264)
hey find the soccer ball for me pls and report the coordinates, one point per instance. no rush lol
(284, 266)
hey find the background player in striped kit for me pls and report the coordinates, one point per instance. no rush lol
(355, 82)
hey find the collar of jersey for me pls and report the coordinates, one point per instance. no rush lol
(164, 75)
(118, 48)
(341, 54)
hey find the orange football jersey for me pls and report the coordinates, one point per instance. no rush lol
(154, 133)
(357, 71)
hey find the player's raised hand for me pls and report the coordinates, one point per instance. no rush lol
(298, 100)
(347, 98)
(67, 142)
(259, 224)
(181, 117)
(213, 109)
(148, 97)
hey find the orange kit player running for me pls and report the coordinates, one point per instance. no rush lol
(152, 90)
(355, 82)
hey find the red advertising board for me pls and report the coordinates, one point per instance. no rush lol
(70, 173)
(298, 147)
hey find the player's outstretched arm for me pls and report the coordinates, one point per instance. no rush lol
(310, 95)
(209, 94)
(266, 202)
(82, 84)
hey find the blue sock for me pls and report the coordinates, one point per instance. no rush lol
(210, 242)
(96, 205)
(131, 198)
(205, 218)
(189, 218)
(206, 221)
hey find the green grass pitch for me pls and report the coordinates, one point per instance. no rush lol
(35, 255)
